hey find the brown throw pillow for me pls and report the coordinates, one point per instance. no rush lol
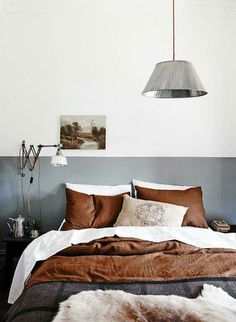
(91, 211)
(191, 198)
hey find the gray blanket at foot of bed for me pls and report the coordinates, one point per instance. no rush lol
(40, 301)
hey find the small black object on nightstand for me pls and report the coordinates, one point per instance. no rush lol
(14, 249)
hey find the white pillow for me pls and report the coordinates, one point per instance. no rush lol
(100, 190)
(61, 224)
(138, 212)
(159, 186)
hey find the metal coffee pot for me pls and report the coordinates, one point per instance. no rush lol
(16, 226)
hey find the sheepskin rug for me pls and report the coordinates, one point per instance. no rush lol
(212, 305)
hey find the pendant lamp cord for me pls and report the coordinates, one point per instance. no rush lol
(173, 29)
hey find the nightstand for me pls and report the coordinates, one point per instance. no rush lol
(232, 229)
(14, 249)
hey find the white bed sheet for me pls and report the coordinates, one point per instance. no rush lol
(54, 241)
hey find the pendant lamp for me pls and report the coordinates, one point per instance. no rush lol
(175, 78)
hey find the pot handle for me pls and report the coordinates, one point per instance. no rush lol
(10, 224)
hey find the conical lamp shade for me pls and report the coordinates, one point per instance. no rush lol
(174, 79)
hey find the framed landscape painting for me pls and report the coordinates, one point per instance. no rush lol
(85, 132)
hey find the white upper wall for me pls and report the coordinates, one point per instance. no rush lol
(68, 57)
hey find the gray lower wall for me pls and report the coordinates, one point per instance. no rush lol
(217, 176)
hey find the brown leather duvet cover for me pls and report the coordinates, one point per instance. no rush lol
(128, 260)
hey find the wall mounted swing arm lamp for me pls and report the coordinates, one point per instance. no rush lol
(174, 78)
(28, 158)
(25, 156)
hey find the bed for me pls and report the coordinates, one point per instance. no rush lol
(157, 260)
(131, 264)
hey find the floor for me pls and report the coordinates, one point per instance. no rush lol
(4, 306)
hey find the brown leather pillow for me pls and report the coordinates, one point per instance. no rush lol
(191, 198)
(91, 211)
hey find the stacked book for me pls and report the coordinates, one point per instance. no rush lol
(220, 225)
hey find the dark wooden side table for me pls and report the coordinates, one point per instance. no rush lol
(232, 229)
(14, 249)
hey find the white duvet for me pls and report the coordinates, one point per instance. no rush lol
(54, 241)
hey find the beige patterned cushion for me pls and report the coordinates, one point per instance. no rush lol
(137, 212)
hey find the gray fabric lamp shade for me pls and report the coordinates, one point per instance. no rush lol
(174, 79)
